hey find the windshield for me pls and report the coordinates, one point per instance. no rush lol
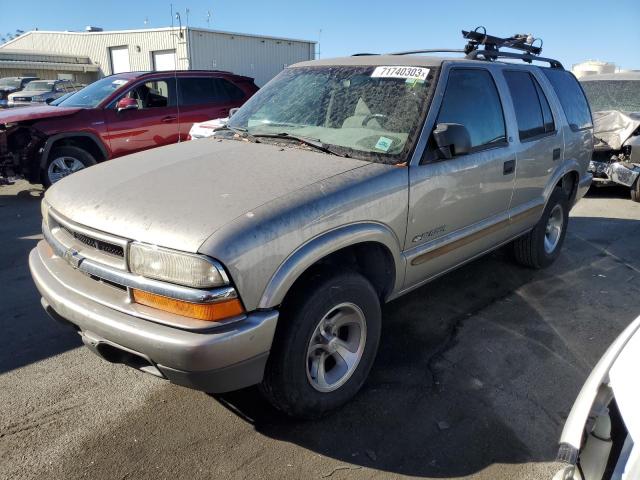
(9, 83)
(371, 113)
(40, 86)
(623, 95)
(91, 95)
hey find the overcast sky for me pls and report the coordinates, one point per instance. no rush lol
(572, 30)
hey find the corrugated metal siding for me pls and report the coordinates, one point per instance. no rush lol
(95, 45)
(260, 58)
(46, 74)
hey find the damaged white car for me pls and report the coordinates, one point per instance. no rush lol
(615, 103)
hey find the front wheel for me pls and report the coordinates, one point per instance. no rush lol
(541, 246)
(325, 345)
(64, 161)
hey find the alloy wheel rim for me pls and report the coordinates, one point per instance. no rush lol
(553, 230)
(336, 347)
(63, 166)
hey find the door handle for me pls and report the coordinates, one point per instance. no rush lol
(556, 153)
(509, 167)
(168, 118)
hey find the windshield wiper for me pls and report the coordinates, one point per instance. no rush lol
(317, 144)
(242, 132)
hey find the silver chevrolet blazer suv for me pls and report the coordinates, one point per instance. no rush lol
(262, 255)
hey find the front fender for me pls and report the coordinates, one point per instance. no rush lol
(325, 244)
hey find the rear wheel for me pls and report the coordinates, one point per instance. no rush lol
(325, 345)
(64, 161)
(541, 246)
(635, 191)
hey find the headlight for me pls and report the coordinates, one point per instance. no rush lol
(175, 267)
(37, 98)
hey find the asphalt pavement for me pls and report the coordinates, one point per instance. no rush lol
(475, 376)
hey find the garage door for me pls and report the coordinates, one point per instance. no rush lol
(120, 59)
(164, 60)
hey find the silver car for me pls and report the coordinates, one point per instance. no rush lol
(41, 91)
(615, 100)
(263, 255)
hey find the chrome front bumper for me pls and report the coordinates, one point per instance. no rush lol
(218, 359)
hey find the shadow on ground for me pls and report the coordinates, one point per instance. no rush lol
(28, 335)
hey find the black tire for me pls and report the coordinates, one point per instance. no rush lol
(66, 152)
(635, 190)
(529, 250)
(287, 384)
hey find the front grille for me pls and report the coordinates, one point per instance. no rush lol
(110, 248)
(22, 99)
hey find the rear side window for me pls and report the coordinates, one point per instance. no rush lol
(471, 99)
(571, 98)
(198, 90)
(530, 104)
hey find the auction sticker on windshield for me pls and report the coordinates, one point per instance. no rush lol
(406, 73)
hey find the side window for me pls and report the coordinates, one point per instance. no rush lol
(227, 91)
(195, 90)
(571, 98)
(199, 90)
(471, 99)
(532, 109)
(154, 94)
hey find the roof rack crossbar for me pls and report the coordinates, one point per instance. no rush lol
(429, 50)
(527, 57)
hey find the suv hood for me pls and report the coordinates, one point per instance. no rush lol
(177, 196)
(35, 113)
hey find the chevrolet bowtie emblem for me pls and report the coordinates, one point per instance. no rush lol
(73, 257)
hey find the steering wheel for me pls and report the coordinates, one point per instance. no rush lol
(371, 116)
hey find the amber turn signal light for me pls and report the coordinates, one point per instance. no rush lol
(213, 312)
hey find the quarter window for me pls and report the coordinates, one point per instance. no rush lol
(531, 106)
(571, 98)
(471, 99)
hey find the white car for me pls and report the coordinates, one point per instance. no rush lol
(206, 129)
(601, 437)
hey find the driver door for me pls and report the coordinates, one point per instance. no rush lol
(459, 206)
(154, 123)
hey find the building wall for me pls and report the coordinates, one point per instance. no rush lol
(46, 74)
(259, 57)
(95, 45)
(592, 67)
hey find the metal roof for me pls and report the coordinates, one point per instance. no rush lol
(159, 29)
(47, 60)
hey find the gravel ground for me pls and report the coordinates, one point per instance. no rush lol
(475, 376)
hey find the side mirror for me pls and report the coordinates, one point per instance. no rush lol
(127, 104)
(233, 111)
(49, 100)
(452, 139)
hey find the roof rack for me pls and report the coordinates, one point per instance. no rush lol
(491, 44)
(491, 48)
(429, 50)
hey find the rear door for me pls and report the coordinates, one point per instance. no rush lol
(205, 98)
(539, 145)
(153, 124)
(458, 207)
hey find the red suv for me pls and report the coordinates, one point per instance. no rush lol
(112, 117)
